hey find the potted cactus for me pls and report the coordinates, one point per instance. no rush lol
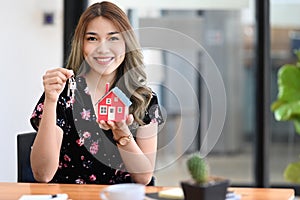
(202, 186)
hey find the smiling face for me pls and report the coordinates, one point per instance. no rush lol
(103, 47)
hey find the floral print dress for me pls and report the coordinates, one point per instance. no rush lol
(88, 154)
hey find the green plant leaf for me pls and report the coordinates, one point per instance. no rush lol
(289, 83)
(291, 172)
(297, 125)
(276, 104)
(287, 111)
(287, 105)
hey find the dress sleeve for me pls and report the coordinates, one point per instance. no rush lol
(153, 112)
(63, 105)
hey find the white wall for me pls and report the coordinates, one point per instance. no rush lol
(179, 4)
(27, 49)
(285, 13)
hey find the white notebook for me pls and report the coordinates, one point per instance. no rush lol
(44, 197)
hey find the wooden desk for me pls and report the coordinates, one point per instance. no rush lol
(13, 191)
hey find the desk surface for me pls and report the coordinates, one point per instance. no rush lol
(13, 191)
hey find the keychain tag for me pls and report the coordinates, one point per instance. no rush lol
(71, 87)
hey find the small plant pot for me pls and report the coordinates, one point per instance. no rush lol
(215, 189)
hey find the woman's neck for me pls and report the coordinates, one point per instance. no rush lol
(97, 84)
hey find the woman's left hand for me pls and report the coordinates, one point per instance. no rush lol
(118, 128)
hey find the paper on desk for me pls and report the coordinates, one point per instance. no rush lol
(44, 197)
(232, 196)
(174, 193)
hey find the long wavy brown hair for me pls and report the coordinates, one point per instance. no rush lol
(131, 77)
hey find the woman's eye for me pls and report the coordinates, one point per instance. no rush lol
(91, 38)
(113, 38)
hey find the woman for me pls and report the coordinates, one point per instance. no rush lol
(71, 146)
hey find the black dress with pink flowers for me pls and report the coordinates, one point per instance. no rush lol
(88, 154)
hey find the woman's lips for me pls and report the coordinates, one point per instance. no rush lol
(104, 60)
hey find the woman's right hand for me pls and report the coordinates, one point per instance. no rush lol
(54, 82)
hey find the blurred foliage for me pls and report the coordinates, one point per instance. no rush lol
(287, 107)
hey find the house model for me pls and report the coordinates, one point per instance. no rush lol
(113, 106)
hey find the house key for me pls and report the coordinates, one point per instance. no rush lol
(71, 87)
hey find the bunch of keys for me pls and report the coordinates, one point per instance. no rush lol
(71, 88)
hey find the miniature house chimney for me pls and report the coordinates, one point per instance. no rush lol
(106, 88)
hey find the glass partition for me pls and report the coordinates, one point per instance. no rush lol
(206, 84)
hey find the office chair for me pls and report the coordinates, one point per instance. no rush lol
(24, 143)
(152, 182)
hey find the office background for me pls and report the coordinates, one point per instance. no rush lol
(226, 28)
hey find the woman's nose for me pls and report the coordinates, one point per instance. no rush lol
(102, 47)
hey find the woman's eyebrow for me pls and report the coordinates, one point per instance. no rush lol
(91, 33)
(113, 32)
(109, 33)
